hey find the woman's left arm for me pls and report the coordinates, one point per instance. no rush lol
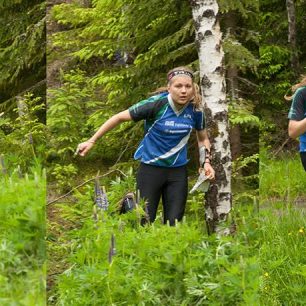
(203, 140)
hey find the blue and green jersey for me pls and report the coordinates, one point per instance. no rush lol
(167, 130)
(298, 112)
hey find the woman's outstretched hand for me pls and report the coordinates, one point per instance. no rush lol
(84, 147)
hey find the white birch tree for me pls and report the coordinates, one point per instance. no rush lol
(211, 58)
(292, 33)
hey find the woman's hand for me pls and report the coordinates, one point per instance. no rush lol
(84, 147)
(209, 171)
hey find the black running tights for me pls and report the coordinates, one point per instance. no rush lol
(154, 182)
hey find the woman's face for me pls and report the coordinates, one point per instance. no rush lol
(181, 90)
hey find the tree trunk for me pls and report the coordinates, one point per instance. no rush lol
(292, 35)
(232, 84)
(211, 57)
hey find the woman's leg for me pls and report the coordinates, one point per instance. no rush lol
(303, 159)
(175, 194)
(150, 180)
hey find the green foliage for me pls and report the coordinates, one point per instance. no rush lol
(154, 264)
(122, 31)
(22, 37)
(244, 7)
(63, 175)
(273, 59)
(22, 138)
(282, 247)
(249, 181)
(282, 250)
(238, 55)
(67, 111)
(242, 112)
(283, 178)
(22, 233)
(275, 74)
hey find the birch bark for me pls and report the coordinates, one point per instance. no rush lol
(292, 33)
(211, 57)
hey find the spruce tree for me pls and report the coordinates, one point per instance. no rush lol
(22, 49)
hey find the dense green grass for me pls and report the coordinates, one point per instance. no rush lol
(22, 246)
(283, 179)
(282, 257)
(283, 223)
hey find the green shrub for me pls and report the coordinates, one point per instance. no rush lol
(22, 246)
(153, 264)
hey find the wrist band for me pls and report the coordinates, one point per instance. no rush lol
(207, 154)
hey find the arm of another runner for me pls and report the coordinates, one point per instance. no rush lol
(108, 125)
(296, 128)
(203, 140)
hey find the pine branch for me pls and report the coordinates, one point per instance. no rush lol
(4, 104)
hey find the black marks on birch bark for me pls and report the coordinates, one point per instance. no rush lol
(211, 197)
(208, 2)
(208, 33)
(221, 116)
(225, 159)
(194, 4)
(225, 144)
(223, 89)
(214, 196)
(227, 197)
(197, 44)
(219, 168)
(201, 36)
(197, 25)
(212, 125)
(205, 82)
(220, 70)
(209, 14)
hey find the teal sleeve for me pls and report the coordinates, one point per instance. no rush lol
(147, 109)
(298, 106)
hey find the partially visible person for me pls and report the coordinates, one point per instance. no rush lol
(297, 116)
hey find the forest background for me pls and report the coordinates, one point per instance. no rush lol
(102, 57)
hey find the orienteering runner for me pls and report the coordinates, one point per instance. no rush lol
(170, 116)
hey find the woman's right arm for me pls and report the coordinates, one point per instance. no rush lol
(296, 128)
(108, 125)
(296, 116)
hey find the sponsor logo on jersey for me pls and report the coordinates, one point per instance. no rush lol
(169, 123)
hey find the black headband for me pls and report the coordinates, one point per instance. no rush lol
(178, 72)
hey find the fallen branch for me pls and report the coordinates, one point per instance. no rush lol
(92, 179)
(281, 147)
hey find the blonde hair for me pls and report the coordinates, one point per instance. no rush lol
(197, 99)
(295, 87)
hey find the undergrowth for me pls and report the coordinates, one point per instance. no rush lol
(282, 179)
(282, 256)
(282, 223)
(153, 264)
(22, 233)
